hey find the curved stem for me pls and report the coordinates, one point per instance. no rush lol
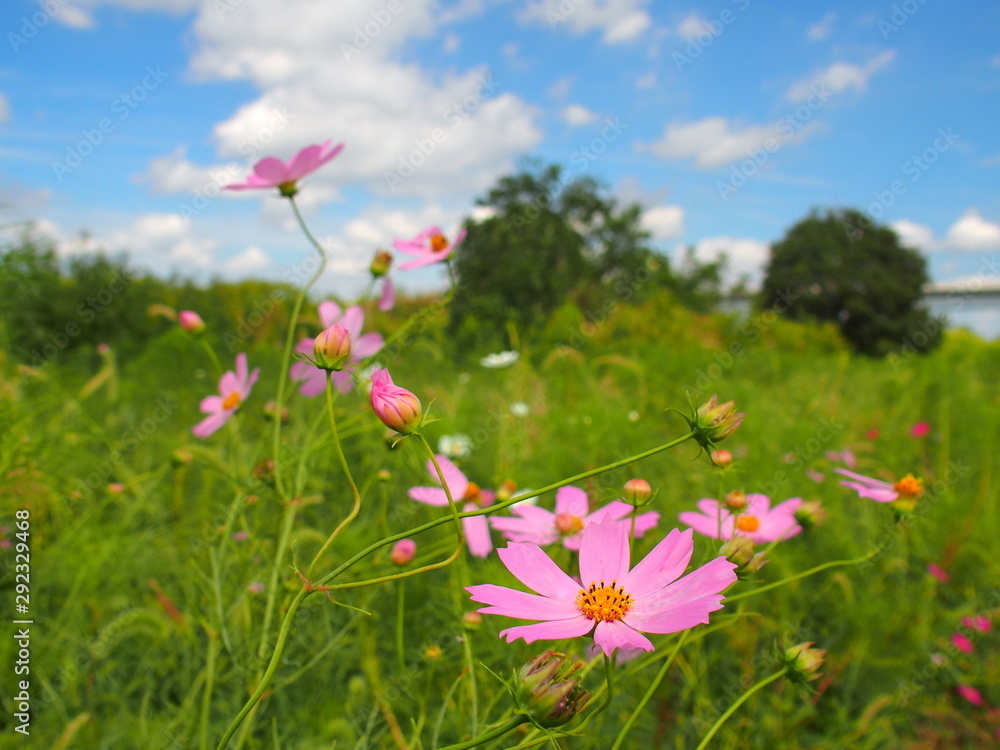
(637, 711)
(739, 702)
(279, 647)
(797, 576)
(444, 484)
(508, 726)
(347, 472)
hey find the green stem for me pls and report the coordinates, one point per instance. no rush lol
(444, 485)
(797, 576)
(739, 702)
(206, 700)
(279, 647)
(508, 726)
(634, 716)
(400, 625)
(347, 472)
(287, 520)
(286, 356)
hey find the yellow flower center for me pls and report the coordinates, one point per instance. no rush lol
(747, 523)
(909, 486)
(568, 524)
(439, 242)
(601, 602)
(231, 401)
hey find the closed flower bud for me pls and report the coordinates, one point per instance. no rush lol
(736, 500)
(381, 263)
(804, 662)
(713, 422)
(810, 514)
(398, 409)
(271, 411)
(403, 551)
(637, 491)
(332, 348)
(722, 457)
(548, 689)
(740, 551)
(190, 321)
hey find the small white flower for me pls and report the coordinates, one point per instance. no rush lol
(455, 446)
(520, 409)
(633, 416)
(499, 359)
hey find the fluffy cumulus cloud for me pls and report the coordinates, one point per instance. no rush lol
(577, 114)
(839, 77)
(969, 233)
(80, 14)
(249, 260)
(745, 258)
(913, 235)
(326, 75)
(664, 222)
(715, 142)
(617, 20)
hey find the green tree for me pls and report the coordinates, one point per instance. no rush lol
(841, 267)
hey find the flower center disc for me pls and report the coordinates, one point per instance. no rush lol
(601, 602)
(747, 523)
(438, 242)
(909, 486)
(231, 401)
(472, 492)
(568, 524)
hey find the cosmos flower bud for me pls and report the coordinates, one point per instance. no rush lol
(810, 514)
(332, 348)
(403, 551)
(804, 662)
(381, 263)
(548, 689)
(722, 457)
(506, 490)
(736, 500)
(740, 551)
(190, 321)
(637, 491)
(715, 422)
(398, 409)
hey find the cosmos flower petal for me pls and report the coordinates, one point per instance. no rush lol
(572, 501)
(329, 313)
(210, 424)
(477, 533)
(870, 482)
(666, 562)
(604, 554)
(676, 617)
(366, 345)
(270, 171)
(424, 260)
(707, 581)
(428, 495)
(211, 404)
(353, 320)
(521, 605)
(536, 570)
(549, 631)
(387, 299)
(612, 634)
(455, 479)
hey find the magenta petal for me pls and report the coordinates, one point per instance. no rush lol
(612, 634)
(366, 345)
(677, 617)
(866, 481)
(458, 239)
(388, 297)
(270, 171)
(456, 480)
(604, 554)
(665, 563)
(552, 630)
(536, 570)
(428, 495)
(521, 605)
(212, 404)
(210, 424)
(353, 320)
(572, 501)
(477, 533)
(655, 610)
(342, 381)
(241, 368)
(329, 313)
(705, 525)
(313, 380)
(424, 260)
(872, 493)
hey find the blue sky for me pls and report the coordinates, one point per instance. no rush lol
(728, 121)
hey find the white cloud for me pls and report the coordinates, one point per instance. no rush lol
(561, 87)
(4, 109)
(251, 259)
(664, 222)
(577, 114)
(821, 29)
(746, 258)
(911, 234)
(619, 20)
(972, 232)
(451, 43)
(647, 81)
(172, 174)
(714, 142)
(74, 17)
(839, 77)
(693, 25)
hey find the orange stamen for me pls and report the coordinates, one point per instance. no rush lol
(909, 486)
(747, 523)
(231, 401)
(439, 242)
(601, 602)
(568, 524)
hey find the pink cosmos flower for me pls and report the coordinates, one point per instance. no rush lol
(962, 643)
(352, 320)
(388, 297)
(403, 551)
(614, 602)
(816, 476)
(468, 496)
(430, 246)
(234, 387)
(883, 492)
(398, 408)
(542, 527)
(970, 694)
(758, 521)
(920, 429)
(274, 173)
(977, 622)
(845, 456)
(190, 321)
(938, 572)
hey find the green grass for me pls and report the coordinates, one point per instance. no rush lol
(140, 599)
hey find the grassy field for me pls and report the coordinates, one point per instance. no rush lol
(162, 565)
